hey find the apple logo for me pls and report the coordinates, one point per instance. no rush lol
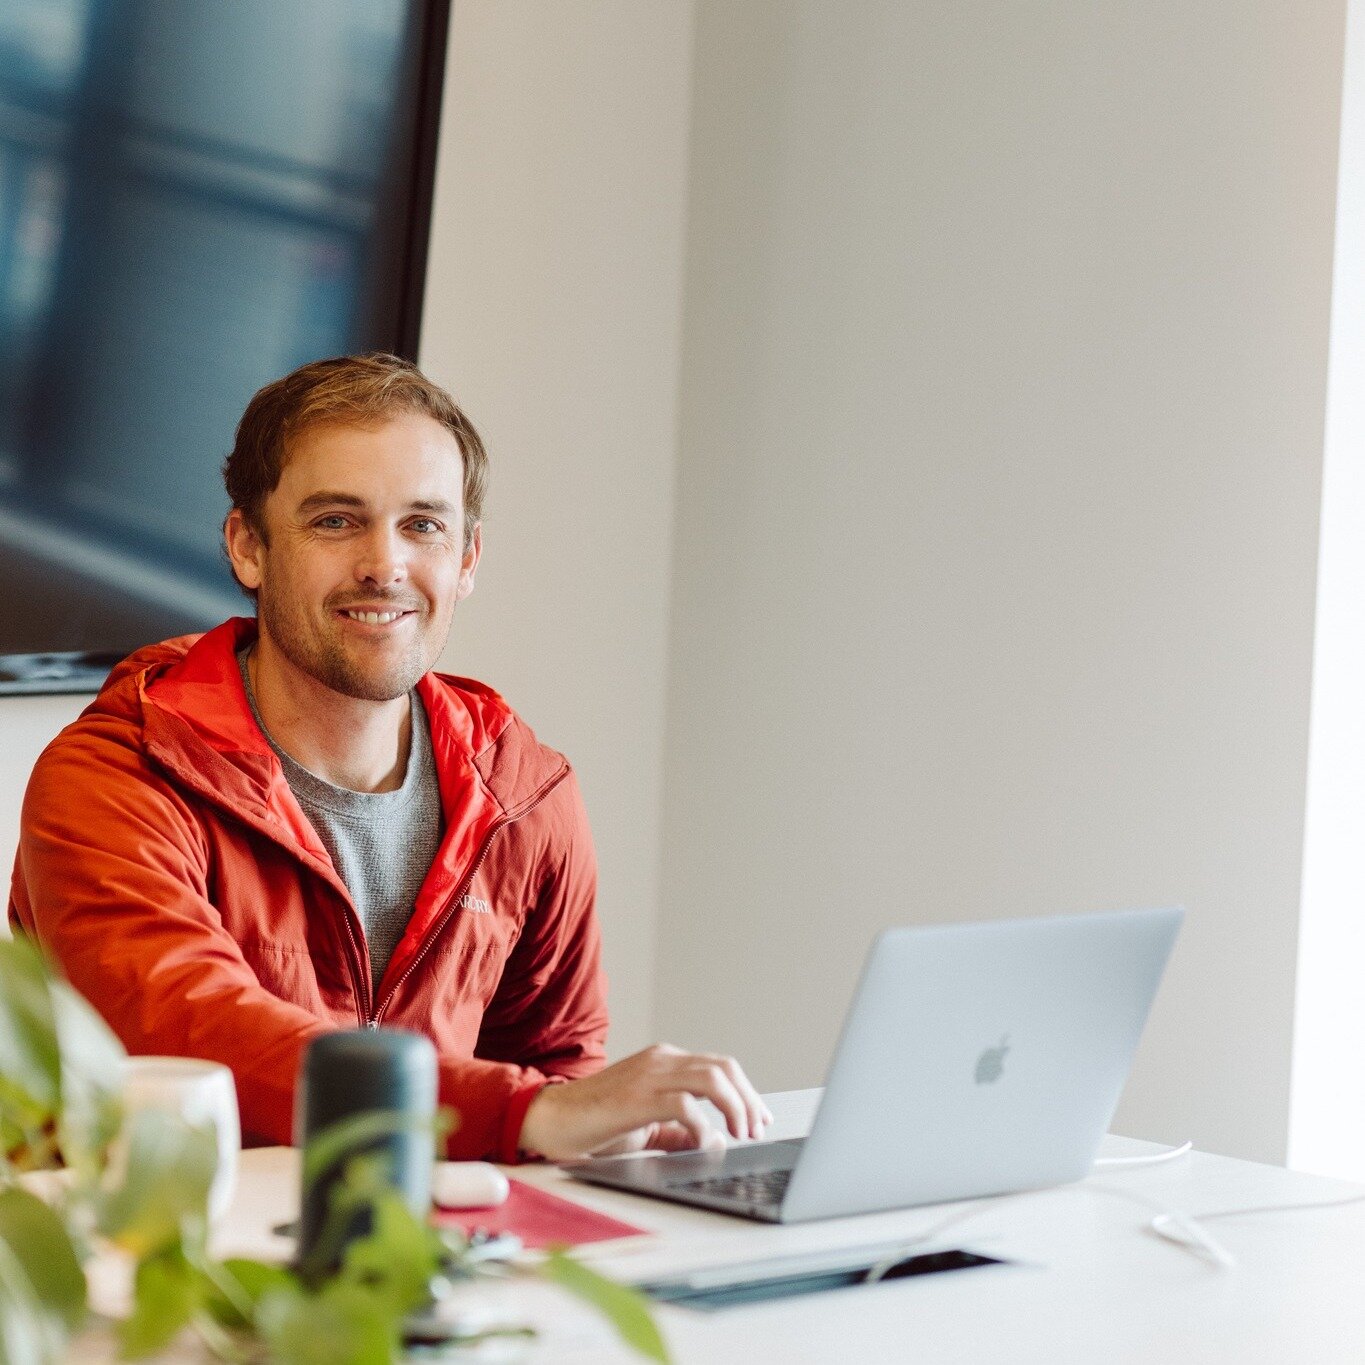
(992, 1062)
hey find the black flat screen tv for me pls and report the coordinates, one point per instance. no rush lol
(196, 196)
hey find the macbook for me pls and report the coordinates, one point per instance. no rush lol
(976, 1059)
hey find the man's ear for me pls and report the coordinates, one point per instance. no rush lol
(469, 562)
(244, 548)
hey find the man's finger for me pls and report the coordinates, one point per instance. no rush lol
(684, 1109)
(709, 1081)
(671, 1137)
(634, 1141)
(757, 1111)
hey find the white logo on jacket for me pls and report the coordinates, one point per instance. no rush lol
(475, 906)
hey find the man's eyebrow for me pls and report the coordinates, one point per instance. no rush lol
(326, 499)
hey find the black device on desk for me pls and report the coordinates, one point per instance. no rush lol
(733, 1286)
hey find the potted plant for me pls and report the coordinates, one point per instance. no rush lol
(62, 1200)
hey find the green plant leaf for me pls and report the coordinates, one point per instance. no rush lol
(42, 1286)
(344, 1324)
(43, 1247)
(627, 1310)
(29, 1060)
(250, 1282)
(91, 1077)
(397, 1258)
(164, 1193)
(28, 1335)
(58, 1059)
(167, 1292)
(339, 1140)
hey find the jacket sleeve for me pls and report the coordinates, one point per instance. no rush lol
(111, 878)
(550, 1009)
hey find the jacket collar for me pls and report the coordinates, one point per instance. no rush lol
(186, 697)
(197, 723)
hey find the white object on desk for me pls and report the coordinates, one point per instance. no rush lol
(468, 1185)
(199, 1092)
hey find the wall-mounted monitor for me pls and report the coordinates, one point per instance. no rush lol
(195, 198)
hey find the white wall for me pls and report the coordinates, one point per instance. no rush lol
(26, 725)
(1327, 1113)
(1001, 429)
(553, 311)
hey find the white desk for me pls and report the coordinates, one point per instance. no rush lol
(1093, 1286)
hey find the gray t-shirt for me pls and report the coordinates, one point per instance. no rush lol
(382, 843)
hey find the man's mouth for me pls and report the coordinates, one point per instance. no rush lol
(373, 618)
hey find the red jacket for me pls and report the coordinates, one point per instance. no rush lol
(164, 862)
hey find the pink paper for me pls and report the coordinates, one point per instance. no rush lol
(539, 1218)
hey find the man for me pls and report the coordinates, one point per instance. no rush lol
(291, 825)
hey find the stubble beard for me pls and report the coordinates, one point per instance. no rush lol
(327, 661)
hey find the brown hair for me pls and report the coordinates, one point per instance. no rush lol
(359, 390)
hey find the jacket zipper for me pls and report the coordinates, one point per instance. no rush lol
(364, 989)
(447, 914)
(366, 1013)
(377, 1015)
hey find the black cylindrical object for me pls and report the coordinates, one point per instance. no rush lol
(363, 1071)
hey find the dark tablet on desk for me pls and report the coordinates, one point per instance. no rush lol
(736, 1285)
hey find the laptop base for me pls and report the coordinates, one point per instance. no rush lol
(740, 1180)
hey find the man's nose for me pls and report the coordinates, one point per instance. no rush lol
(382, 560)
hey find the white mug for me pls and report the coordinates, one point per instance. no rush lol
(200, 1093)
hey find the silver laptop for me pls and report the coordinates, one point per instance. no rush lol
(976, 1059)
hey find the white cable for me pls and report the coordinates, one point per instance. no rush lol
(1280, 1208)
(1185, 1231)
(1180, 1229)
(977, 1206)
(1173, 1226)
(1153, 1159)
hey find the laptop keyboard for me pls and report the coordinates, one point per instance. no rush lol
(753, 1187)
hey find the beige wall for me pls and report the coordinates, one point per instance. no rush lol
(554, 312)
(1001, 433)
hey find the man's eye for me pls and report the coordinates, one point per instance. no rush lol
(335, 522)
(424, 526)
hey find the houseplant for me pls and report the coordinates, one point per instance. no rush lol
(61, 1198)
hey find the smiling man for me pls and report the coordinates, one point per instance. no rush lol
(292, 824)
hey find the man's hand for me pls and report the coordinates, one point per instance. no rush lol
(648, 1100)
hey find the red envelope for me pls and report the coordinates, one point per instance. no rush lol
(539, 1218)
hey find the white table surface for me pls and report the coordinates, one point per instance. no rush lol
(1090, 1282)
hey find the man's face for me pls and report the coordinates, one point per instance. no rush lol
(363, 561)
